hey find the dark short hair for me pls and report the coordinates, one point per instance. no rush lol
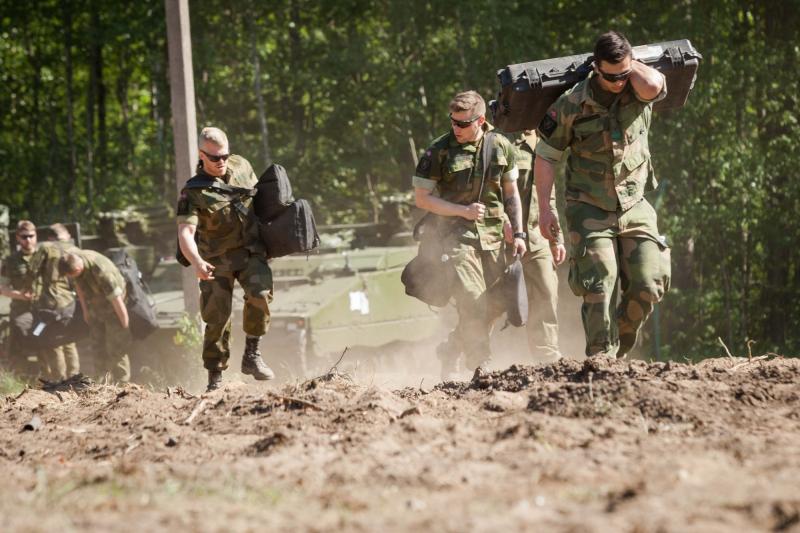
(69, 263)
(611, 47)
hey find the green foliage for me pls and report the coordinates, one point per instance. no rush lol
(10, 383)
(189, 336)
(351, 90)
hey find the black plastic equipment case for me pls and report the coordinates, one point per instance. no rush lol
(528, 89)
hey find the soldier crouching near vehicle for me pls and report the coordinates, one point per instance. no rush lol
(54, 300)
(604, 121)
(470, 221)
(101, 292)
(226, 249)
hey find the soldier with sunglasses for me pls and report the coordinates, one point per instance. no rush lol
(613, 234)
(218, 239)
(449, 182)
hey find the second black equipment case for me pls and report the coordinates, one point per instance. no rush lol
(528, 89)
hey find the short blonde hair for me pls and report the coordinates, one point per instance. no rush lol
(25, 225)
(213, 135)
(468, 101)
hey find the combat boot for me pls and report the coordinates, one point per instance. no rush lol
(214, 380)
(252, 363)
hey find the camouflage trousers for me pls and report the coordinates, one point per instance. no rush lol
(542, 285)
(110, 342)
(477, 309)
(216, 298)
(613, 251)
(61, 362)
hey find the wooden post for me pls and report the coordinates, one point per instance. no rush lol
(184, 121)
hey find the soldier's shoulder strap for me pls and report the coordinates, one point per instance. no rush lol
(486, 159)
(202, 182)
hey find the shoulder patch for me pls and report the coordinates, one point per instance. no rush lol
(548, 124)
(424, 165)
(183, 204)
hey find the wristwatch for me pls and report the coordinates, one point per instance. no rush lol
(520, 235)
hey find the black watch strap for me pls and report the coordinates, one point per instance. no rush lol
(520, 235)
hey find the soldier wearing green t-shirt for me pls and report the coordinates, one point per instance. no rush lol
(604, 121)
(226, 250)
(447, 182)
(101, 292)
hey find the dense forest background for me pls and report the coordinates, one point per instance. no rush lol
(344, 93)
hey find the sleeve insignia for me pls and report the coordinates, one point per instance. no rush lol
(424, 165)
(183, 205)
(548, 124)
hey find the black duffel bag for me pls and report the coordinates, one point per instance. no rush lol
(293, 231)
(273, 193)
(429, 277)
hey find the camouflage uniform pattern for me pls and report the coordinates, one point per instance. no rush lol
(613, 230)
(228, 240)
(101, 281)
(541, 280)
(53, 292)
(474, 248)
(13, 274)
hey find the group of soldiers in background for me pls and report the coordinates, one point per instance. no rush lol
(42, 279)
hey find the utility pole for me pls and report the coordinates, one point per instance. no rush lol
(184, 120)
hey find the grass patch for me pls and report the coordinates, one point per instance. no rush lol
(10, 383)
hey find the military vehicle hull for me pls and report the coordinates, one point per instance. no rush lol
(323, 304)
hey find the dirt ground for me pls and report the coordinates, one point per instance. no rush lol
(570, 446)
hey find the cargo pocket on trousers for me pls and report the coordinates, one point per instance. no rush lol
(574, 279)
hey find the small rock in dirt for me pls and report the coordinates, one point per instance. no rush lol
(410, 411)
(266, 445)
(415, 504)
(172, 441)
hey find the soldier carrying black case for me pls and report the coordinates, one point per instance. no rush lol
(527, 90)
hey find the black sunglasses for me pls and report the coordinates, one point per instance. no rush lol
(463, 123)
(216, 158)
(615, 77)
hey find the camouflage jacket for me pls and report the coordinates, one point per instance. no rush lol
(100, 281)
(15, 268)
(225, 237)
(609, 162)
(525, 145)
(454, 170)
(51, 290)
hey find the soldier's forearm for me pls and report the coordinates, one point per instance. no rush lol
(646, 81)
(544, 177)
(513, 206)
(187, 244)
(425, 200)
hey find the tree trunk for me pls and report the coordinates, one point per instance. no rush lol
(68, 185)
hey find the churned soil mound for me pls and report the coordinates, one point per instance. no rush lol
(595, 445)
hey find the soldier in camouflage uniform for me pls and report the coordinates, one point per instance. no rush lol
(540, 260)
(54, 299)
(227, 249)
(470, 221)
(604, 121)
(101, 292)
(12, 285)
